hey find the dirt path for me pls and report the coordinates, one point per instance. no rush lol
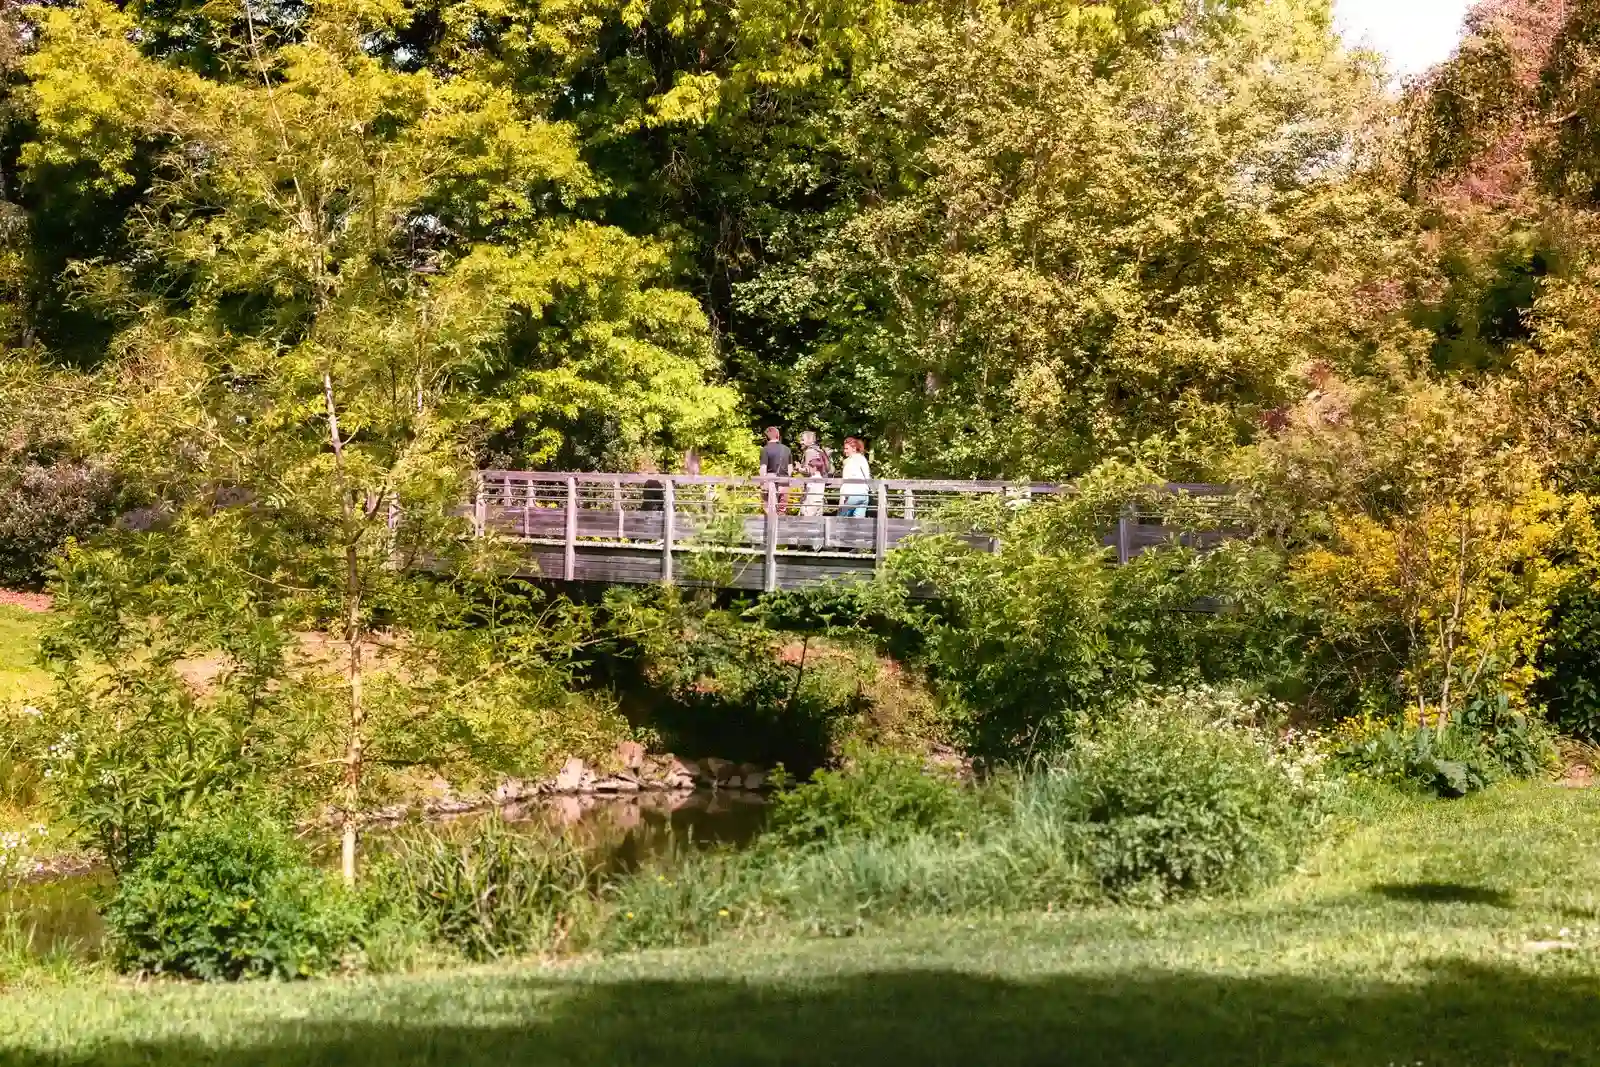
(25, 601)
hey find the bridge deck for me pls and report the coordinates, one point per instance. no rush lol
(747, 533)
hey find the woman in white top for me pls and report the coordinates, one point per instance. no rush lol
(853, 493)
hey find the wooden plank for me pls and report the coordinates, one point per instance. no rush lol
(624, 526)
(537, 522)
(846, 532)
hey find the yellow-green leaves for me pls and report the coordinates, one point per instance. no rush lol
(93, 94)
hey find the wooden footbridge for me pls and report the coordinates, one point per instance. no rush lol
(760, 534)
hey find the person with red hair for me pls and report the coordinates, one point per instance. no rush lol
(857, 474)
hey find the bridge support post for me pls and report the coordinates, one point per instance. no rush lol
(880, 528)
(571, 553)
(669, 517)
(1125, 526)
(480, 507)
(769, 572)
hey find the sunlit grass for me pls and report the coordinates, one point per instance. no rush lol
(1426, 932)
(20, 675)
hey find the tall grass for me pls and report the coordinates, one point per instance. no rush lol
(492, 892)
(1159, 804)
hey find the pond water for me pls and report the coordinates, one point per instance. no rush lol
(624, 833)
(629, 832)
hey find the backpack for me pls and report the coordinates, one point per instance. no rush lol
(819, 450)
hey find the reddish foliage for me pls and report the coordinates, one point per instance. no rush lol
(1494, 79)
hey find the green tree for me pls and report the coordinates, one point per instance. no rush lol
(1061, 247)
(347, 277)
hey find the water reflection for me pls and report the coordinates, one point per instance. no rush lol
(623, 832)
(627, 832)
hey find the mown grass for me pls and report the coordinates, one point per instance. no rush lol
(20, 676)
(1428, 932)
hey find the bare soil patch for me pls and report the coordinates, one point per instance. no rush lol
(26, 601)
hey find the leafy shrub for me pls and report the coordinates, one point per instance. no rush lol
(1570, 686)
(129, 757)
(1483, 744)
(43, 504)
(221, 899)
(874, 794)
(1177, 799)
(494, 892)
(1031, 642)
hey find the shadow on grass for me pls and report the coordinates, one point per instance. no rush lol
(1461, 1015)
(1444, 893)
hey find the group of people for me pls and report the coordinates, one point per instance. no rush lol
(815, 465)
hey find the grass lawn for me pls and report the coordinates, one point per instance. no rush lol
(19, 640)
(1461, 933)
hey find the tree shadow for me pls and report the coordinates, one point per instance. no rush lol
(1444, 893)
(1461, 1015)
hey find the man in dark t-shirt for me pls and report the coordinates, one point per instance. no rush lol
(776, 462)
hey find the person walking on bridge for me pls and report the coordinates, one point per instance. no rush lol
(857, 474)
(776, 462)
(810, 451)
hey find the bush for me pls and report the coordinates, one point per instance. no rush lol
(1570, 686)
(130, 757)
(1028, 643)
(1480, 746)
(875, 794)
(224, 899)
(1187, 794)
(492, 893)
(41, 505)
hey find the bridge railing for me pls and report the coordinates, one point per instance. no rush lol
(778, 532)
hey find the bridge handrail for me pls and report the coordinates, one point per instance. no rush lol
(895, 484)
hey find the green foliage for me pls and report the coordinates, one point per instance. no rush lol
(491, 891)
(714, 683)
(1177, 801)
(1053, 257)
(211, 692)
(1031, 642)
(1192, 793)
(875, 794)
(1570, 684)
(228, 897)
(130, 759)
(1486, 743)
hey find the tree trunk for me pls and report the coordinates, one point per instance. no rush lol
(354, 746)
